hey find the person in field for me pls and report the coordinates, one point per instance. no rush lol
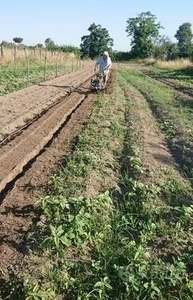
(103, 64)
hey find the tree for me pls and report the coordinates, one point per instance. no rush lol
(7, 44)
(143, 30)
(164, 48)
(70, 49)
(96, 42)
(50, 45)
(184, 36)
(39, 45)
(18, 40)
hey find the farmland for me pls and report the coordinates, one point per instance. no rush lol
(105, 209)
(23, 68)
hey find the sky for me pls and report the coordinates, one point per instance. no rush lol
(65, 22)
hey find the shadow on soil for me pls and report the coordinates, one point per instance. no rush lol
(85, 90)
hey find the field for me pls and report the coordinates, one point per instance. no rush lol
(22, 68)
(107, 212)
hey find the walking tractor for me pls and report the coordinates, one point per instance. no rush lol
(98, 83)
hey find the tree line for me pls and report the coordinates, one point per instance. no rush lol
(49, 44)
(146, 41)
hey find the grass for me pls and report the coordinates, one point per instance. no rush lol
(177, 72)
(182, 79)
(99, 244)
(174, 113)
(178, 64)
(38, 55)
(12, 80)
(17, 75)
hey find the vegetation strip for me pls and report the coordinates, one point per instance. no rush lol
(174, 115)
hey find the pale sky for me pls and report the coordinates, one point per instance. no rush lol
(65, 22)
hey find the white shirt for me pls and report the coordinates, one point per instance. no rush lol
(103, 63)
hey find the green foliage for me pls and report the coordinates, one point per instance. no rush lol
(12, 79)
(164, 48)
(143, 30)
(122, 56)
(50, 45)
(18, 40)
(184, 36)
(174, 115)
(7, 44)
(96, 42)
(70, 49)
(39, 45)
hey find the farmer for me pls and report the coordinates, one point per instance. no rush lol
(104, 64)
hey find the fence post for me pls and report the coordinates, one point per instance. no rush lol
(40, 52)
(77, 63)
(57, 55)
(27, 59)
(15, 56)
(72, 65)
(60, 62)
(45, 61)
(2, 51)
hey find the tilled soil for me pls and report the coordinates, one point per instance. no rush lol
(20, 107)
(17, 210)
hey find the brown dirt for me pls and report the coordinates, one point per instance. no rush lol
(155, 152)
(17, 153)
(17, 210)
(20, 107)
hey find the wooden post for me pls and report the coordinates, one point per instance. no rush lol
(40, 52)
(2, 51)
(65, 65)
(72, 66)
(27, 59)
(57, 65)
(45, 61)
(15, 57)
(56, 69)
